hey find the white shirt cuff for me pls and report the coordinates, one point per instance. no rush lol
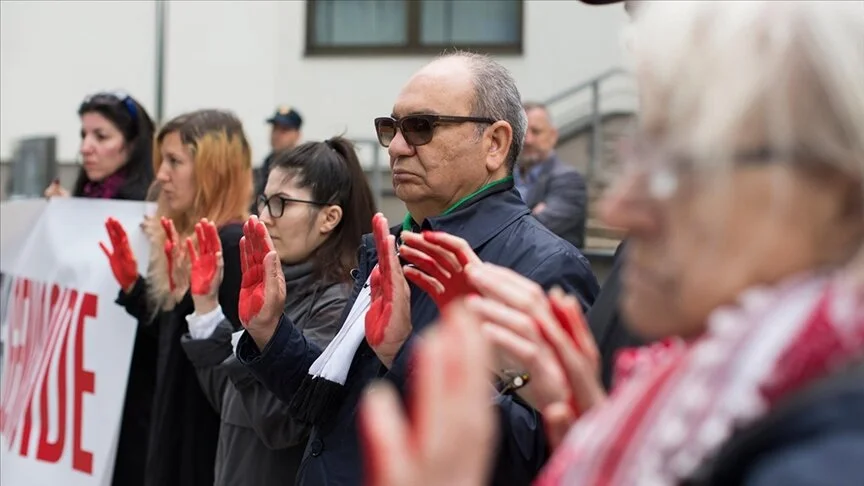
(202, 326)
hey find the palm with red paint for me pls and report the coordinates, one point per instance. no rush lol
(548, 337)
(388, 321)
(176, 258)
(122, 260)
(439, 261)
(207, 266)
(262, 289)
(451, 391)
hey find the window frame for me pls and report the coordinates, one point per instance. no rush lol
(413, 45)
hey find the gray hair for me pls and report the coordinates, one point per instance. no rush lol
(786, 72)
(497, 97)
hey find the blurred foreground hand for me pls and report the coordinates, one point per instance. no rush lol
(450, 405)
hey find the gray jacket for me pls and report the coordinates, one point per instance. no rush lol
(562, 189)
(259, 443)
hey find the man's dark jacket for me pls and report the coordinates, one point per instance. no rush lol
(561, 188)
(498, 226)
(607, 324)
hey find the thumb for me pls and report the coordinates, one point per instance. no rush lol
(274, 280)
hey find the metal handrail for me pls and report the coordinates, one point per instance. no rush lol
(585, 85)
(596, 118)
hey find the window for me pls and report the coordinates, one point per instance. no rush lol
(338, 27)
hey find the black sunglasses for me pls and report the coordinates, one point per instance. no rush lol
(417, 129)
(276, 204)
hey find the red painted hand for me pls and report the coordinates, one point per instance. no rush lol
(206, 264)
(176, 257)
(262, 290)
(547, 336)
(122, 260)
(388, 321)
(452, 392)
(439, 261)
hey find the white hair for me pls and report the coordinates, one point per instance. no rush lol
(790, 72)
(722, 77)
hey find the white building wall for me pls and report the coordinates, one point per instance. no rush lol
(247, 57)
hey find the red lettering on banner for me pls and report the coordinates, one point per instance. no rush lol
(85, 382)
(41, 318)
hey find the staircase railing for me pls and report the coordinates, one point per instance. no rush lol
(594, 117)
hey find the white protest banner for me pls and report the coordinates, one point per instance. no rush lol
(16, 220)
(67, 347)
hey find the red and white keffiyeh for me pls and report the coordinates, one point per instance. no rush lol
(685, 401)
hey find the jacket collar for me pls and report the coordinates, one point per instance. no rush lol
(478, 217)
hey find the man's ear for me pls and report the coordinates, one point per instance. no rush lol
(329, 218)
(497, 141)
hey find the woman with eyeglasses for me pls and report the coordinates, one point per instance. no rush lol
(316, 206)
(116, 148)
(203, 168)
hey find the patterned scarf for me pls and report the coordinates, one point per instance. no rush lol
(681, 402)
(105, 189)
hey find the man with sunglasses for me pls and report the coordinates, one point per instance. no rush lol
(454, 135)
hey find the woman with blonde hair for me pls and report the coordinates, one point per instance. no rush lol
(743, 200)
(203, 168)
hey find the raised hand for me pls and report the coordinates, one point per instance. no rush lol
(207, 266)
(439, 261)
(548, 337)
(55, 190)
(262, 290)
(176, 258)
(388, 321)
(447, 439)
(121, 258)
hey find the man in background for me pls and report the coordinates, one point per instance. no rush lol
(554, 191)
(284, 135)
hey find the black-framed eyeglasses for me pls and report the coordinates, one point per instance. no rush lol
(109, 97)
(417, 129)
(276, 204)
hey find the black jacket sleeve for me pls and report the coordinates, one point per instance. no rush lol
(566, 205)
(229, 290)
(136, 303)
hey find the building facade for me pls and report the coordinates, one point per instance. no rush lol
(339, 62)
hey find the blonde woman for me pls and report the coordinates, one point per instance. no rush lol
(203, 167)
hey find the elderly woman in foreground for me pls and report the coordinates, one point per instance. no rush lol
(744, 208)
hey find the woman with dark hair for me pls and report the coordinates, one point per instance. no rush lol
(117, 163)
(316, 206)
(116, 150)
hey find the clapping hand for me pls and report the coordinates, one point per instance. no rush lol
(548, 337)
